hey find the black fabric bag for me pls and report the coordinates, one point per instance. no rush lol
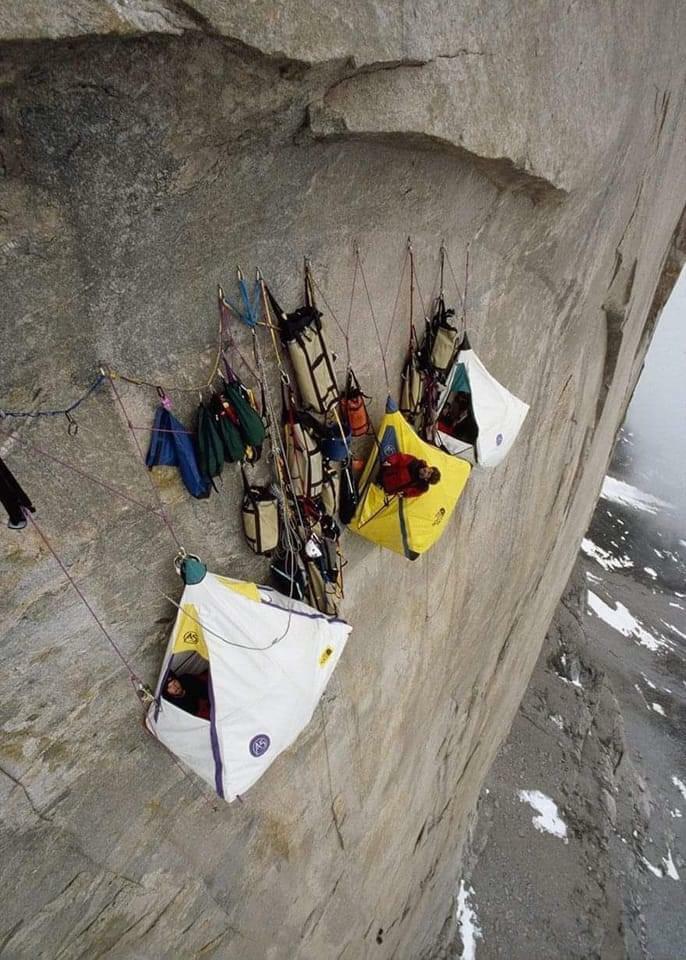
(348, 494)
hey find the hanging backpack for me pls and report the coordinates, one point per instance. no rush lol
(303, 336)
(412, 383)
(353, 406)
(303, 451)
(209, 443)
(444, 339)
(260, 516)
(250, 424)
(349, 495)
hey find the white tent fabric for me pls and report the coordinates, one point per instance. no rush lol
(498, 413)
(261, 695)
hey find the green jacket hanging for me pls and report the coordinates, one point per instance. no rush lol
(250, 423)
(210, 448)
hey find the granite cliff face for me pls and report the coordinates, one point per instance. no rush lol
(148, 147)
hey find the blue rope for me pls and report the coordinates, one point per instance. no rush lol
(55, 413)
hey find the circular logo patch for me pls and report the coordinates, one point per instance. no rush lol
(259, 745)
(191, 637)
(498, 439)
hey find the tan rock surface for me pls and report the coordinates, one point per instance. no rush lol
(136, 173)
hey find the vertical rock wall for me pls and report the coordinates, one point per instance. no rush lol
(146, 149)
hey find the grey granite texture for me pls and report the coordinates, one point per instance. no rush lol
(146, 148)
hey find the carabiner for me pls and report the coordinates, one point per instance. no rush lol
(72, 425)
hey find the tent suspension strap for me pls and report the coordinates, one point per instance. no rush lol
(135, 679)
(350, 314)
(310, 278)
(373, 316)
(344, 330)
(162, 512)
(461, 295)
(410, 251)
(400, 290)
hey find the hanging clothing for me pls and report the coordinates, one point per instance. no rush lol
(13, 498)
(172, 446)
(400, 475)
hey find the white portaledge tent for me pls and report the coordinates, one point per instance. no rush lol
(269, 660)
(491, 416)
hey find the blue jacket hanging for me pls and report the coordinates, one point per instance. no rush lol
(171, 445)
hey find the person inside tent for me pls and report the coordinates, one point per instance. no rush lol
(403, 475)
(189, 692)
(455, 418)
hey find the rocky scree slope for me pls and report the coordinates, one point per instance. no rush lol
(146, 148)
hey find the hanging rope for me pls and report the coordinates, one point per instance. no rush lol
(65, 411)
(344, 330)
(373, 316)
(162, 511)
(350, 313)
(113, 374)
(132, 674)
(457, 286)
(397, 296)
(310, 277)
(334, 816)
(224, 316)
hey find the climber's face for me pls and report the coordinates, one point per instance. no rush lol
(174, 687)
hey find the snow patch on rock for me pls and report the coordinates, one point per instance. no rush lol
(548, 819)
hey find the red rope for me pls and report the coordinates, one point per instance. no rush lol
(162, 512)
(373, 316)
(85, 602)
(82, 473)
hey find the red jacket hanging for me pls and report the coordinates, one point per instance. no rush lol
(400, 475)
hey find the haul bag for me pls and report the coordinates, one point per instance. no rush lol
(260, 516)
(304, 460)
(354, 408)
(330, 487)
(444, 347)
(412, 388)
(312, 364)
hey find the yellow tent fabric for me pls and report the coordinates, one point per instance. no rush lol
(407, 526)
(189, 636)
(248, 590)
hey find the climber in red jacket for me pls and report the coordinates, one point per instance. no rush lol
(403, 475)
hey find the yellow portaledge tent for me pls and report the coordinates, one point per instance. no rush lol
(407, 525)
